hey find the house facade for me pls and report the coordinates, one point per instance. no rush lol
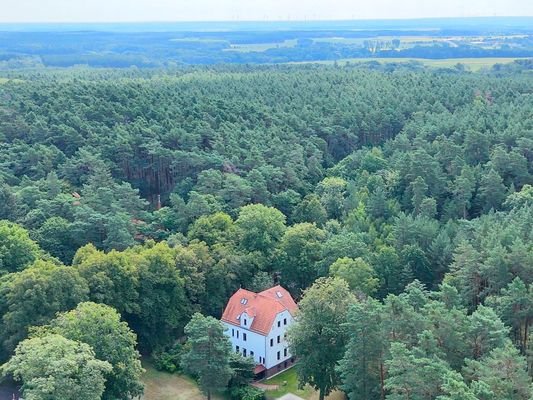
(257, 324)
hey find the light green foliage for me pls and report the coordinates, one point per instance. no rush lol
(301, 249)
(359, 274)
(208, 355)
(33, 297)
(319, 335)
(520, 199)
(113, 277)
(211, 229)
(455, 388)
(17, 250)
(52, 367)
(260, 228)
(112, 341)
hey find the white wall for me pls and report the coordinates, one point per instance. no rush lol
(272, 352)
(260, 344)
(254, 341)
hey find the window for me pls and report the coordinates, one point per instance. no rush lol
(284, 321)
(279, 324)
(237, 349)
(244, 321)
(244, 300)
(285, 353)
(279, 339)
(271, 342)
(244, 336)
(244, 352)
(260, 360)
(278, 293)
(279, 355)
(237, 334)
(233, 332)
(251, 353)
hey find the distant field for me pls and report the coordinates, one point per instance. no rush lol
(246, 48)
(5, 80)
(473, 64)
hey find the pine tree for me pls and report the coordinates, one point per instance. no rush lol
(209, 353)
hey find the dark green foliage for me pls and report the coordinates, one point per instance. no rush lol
(168, 360)
(165, 191)
(208, 353)
(246, 393)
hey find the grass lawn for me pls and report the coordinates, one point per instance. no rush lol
(164, 386)
(291, 378)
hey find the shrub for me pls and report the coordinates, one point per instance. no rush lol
(168, 360)
(246, 393)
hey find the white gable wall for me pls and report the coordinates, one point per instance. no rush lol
(272, 351)
(263, 353)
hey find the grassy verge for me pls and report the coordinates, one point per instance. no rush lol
(291, 379)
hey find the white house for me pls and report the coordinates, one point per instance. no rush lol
(257, 325)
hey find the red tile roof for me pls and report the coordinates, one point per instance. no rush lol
(263, 306)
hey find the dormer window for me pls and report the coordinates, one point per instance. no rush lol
(244, 321)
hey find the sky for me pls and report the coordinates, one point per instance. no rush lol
(251, 10)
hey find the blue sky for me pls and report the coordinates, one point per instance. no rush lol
(230, 10)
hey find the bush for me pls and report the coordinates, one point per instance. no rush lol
(168, 360)
(246, 393)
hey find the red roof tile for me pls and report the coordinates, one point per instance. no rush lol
(263, 306)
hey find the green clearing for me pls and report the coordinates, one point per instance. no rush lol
(6, 80)
(164, 386)
(288, 383)
(473, 64)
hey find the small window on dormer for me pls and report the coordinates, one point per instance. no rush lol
(244, 322)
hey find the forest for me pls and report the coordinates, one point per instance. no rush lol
(394, 203)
